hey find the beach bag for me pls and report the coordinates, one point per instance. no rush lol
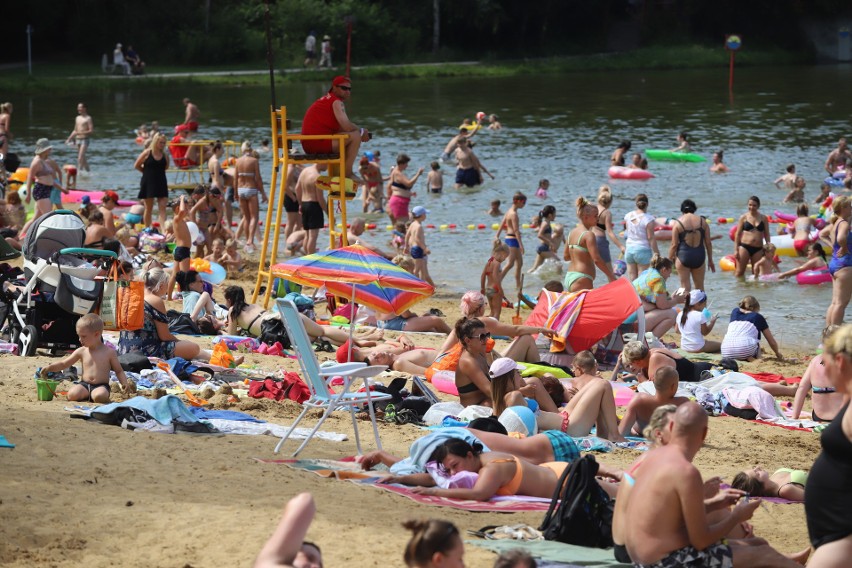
(580, 511)
(130, 305)
(272, 330)
(107, 307)
(134, 362)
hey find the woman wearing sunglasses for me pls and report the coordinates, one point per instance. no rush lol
(472, 373)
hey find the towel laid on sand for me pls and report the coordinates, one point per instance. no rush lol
(558, 552)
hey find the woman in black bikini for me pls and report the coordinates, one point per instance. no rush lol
(752, 231)
(603, 227)
(646, 362)
(472, 373)
(690, 239)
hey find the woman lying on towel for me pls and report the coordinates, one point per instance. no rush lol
(592, 402)
(251, 317)
(399, 354)
(785, 483)
(498, 474)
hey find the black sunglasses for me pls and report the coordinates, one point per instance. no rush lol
(344, 88)
(484, 336)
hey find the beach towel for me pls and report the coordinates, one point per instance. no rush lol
(422, 449)
(773, 378)
(562, 317)
(755, 398)
(4, 443)
(558, 552)
(164, 410)
(348, 470)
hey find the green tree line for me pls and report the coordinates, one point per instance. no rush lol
(391, 31)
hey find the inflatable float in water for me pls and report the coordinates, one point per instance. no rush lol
(620, 172)
(669, 156)
(813, 277)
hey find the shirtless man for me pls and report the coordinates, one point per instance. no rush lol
(291, 201)
(838, 157)
(668, 523)
(354, 236)
(83, 128)
(469, 172)
(312, 203)
(327, 115)
(372, 192)
(511, 224)
(617, 158)
(183, 240)
(643, 405)
(192, 115)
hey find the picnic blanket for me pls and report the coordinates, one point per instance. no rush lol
(554, 553)
(347, 469)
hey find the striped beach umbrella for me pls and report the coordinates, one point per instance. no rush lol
(360, 274)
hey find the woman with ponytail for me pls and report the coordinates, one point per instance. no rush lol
(693, 324)
(433, 544)
(603, 226)
(582, 251)
(545, 236)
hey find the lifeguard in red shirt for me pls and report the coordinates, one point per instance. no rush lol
(328, 116)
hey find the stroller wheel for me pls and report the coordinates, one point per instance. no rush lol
(28, 341)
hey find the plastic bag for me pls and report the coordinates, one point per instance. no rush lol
(222, 357)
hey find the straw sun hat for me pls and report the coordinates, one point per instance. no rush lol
(42, 145)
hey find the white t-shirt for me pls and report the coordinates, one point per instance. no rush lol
(310, 43)
(691, 337)
(635, 223)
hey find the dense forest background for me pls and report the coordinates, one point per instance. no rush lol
(202, 32)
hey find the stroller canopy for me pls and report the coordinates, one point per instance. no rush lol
(53, 232)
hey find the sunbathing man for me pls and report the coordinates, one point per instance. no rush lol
(643, 405)
(668, 525)
(498, 474)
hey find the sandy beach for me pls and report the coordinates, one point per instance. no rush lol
(76, 492)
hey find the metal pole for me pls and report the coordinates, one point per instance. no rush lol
(348, 44)
(29, 49)
(269, 61)
(731, 74)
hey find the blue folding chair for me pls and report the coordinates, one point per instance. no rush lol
(316, 377)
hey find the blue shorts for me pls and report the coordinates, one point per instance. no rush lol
(417, 252)
(395, 324)
(542, 248)
(512, 242)
(133, 218)
(638, 255)
(56, 197)
(468, 177)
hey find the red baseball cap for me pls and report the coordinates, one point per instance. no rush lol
(340, 80)
(113, 196)
(343, 353)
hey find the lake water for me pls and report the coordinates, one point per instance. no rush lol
(558, 127)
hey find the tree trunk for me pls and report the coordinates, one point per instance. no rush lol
(436, 25)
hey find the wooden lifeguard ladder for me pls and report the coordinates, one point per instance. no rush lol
(282, 143)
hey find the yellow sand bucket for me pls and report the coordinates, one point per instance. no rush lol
(46, 388)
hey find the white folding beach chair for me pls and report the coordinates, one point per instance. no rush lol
(316, 377)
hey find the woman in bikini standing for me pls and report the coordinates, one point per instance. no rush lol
(690, 239)
(248, 184)
(603, 226)
(472, 372)
(41, 179)
(752, 231)
(582, 251)
(399, 190)
(840, 265)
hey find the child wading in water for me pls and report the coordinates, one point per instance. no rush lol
(543, 186)
(797, 194)
(435, 178)
(802, 227)
(491, 281)
(512, 225)
(98, 360)
(415, 241)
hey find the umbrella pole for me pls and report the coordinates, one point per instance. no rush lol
(351, 322)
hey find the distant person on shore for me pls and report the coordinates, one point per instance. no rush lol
(135, 61)
(682, 143)
(718, 166)
(192, 115)
(310, 49)
(5, 129)
(838, 157)
(83, 127)
(617, 158)
(327, 115)
(325, 52)
(119, 60)
(312, 204)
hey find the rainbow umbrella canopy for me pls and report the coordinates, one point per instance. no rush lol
(357, 273)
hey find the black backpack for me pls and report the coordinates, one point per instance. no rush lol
(272, 330)
(580, 512)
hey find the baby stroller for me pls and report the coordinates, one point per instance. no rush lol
(59, 285)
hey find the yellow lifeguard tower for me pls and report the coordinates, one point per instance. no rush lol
(282, 157)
